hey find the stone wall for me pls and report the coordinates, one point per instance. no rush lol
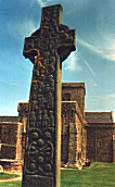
(91, 138)
(84, 143)
(11, 140)
(89, 135)
(100, 143)
(69, 132)
(23, 114)
(8, 140)
(71, 129)
(74, 92)
(71, 119)
(72, 122)
(100, 130)
(6, 119)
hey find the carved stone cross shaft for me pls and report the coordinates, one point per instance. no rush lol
(46, 48)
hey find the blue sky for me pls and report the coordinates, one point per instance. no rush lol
(93, 62)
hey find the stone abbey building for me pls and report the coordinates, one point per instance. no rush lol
(85, 135)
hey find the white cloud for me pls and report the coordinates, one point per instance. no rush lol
(94, 85)
(107, 101)
(71, 63)
(41, 3)
(106, 97)
(74, 5)
(108, 54)
(101, 102)
(89, 46)
(21, 29)
(27, 27)
(90, 69)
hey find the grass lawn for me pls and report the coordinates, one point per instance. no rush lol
(10, 184)
(97, 175)
(7, 176)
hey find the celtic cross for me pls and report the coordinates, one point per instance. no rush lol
(46, 48)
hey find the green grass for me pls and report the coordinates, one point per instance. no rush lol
(97, 175)
(11, 184)
(7, 176)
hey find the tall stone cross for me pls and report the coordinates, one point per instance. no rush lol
(46, 48)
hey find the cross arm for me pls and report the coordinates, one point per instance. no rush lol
(67, 42)
(31, 48)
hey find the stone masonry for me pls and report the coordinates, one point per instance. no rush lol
(11, 143)
(46, 48)
(91, 136)
(100, 131)
(72, 122)
(75, 92)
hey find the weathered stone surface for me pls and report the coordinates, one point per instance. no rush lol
(114, 145)
(74, 92)
(46, 48)
(11, 139)
(95, 139)
(67, 118)
(84, 143)
(69, 131)
(72, 122)
(99, 144)
(100, 130)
